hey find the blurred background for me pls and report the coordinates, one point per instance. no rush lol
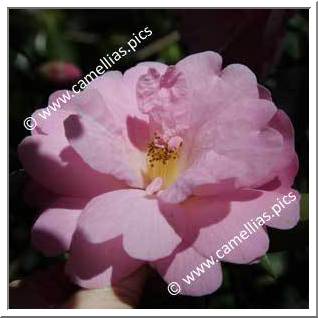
(51, 49)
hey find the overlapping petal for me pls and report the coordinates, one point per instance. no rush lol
(119, 213)
(53, 230)
(177, 268)
(51, 162)
(98, 265)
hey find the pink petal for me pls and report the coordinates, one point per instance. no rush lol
(53, 123)
(164, 98)
(289, 216)
(247, 115)
(241, 78)
(282, 123)
(98, 265)
(235, 88)
(90, 103)
(200, 67)
(138, 132)
(246, 252)
(207, 223)
(192, 215)
(264, 93)
(104, 150)
(53, 230)
(132, 75)
(119, 103)
(210, 174)
(178, 267)
(213, 90)
(55, 165)
(118, 110)
(117, 213)
(243, 149)
(246, 206)
(123, 103)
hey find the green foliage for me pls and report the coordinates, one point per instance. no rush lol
(274, 264)
(172, 54)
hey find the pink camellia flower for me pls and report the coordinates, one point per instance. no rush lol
(160, 165)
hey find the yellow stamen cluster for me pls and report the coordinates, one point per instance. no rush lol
(162, 162)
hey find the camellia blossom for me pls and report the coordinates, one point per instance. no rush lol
(59, 72)
(160, 165)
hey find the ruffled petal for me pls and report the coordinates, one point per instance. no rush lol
(100, 265)
(53, 231)
(104, 150)
(248, 149)
(50, 119)
(264, 93)
(119, 213)
(54, 164)
(165, 99)
(132, 76)
(250, 211)
(241, 79)
(200, 68)
(209, 223)
(120, 103)
(286, 211)
(282, 123)
(195, 275)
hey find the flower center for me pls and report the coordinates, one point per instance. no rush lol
(162, 159)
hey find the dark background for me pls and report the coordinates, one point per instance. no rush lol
(273, 43)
